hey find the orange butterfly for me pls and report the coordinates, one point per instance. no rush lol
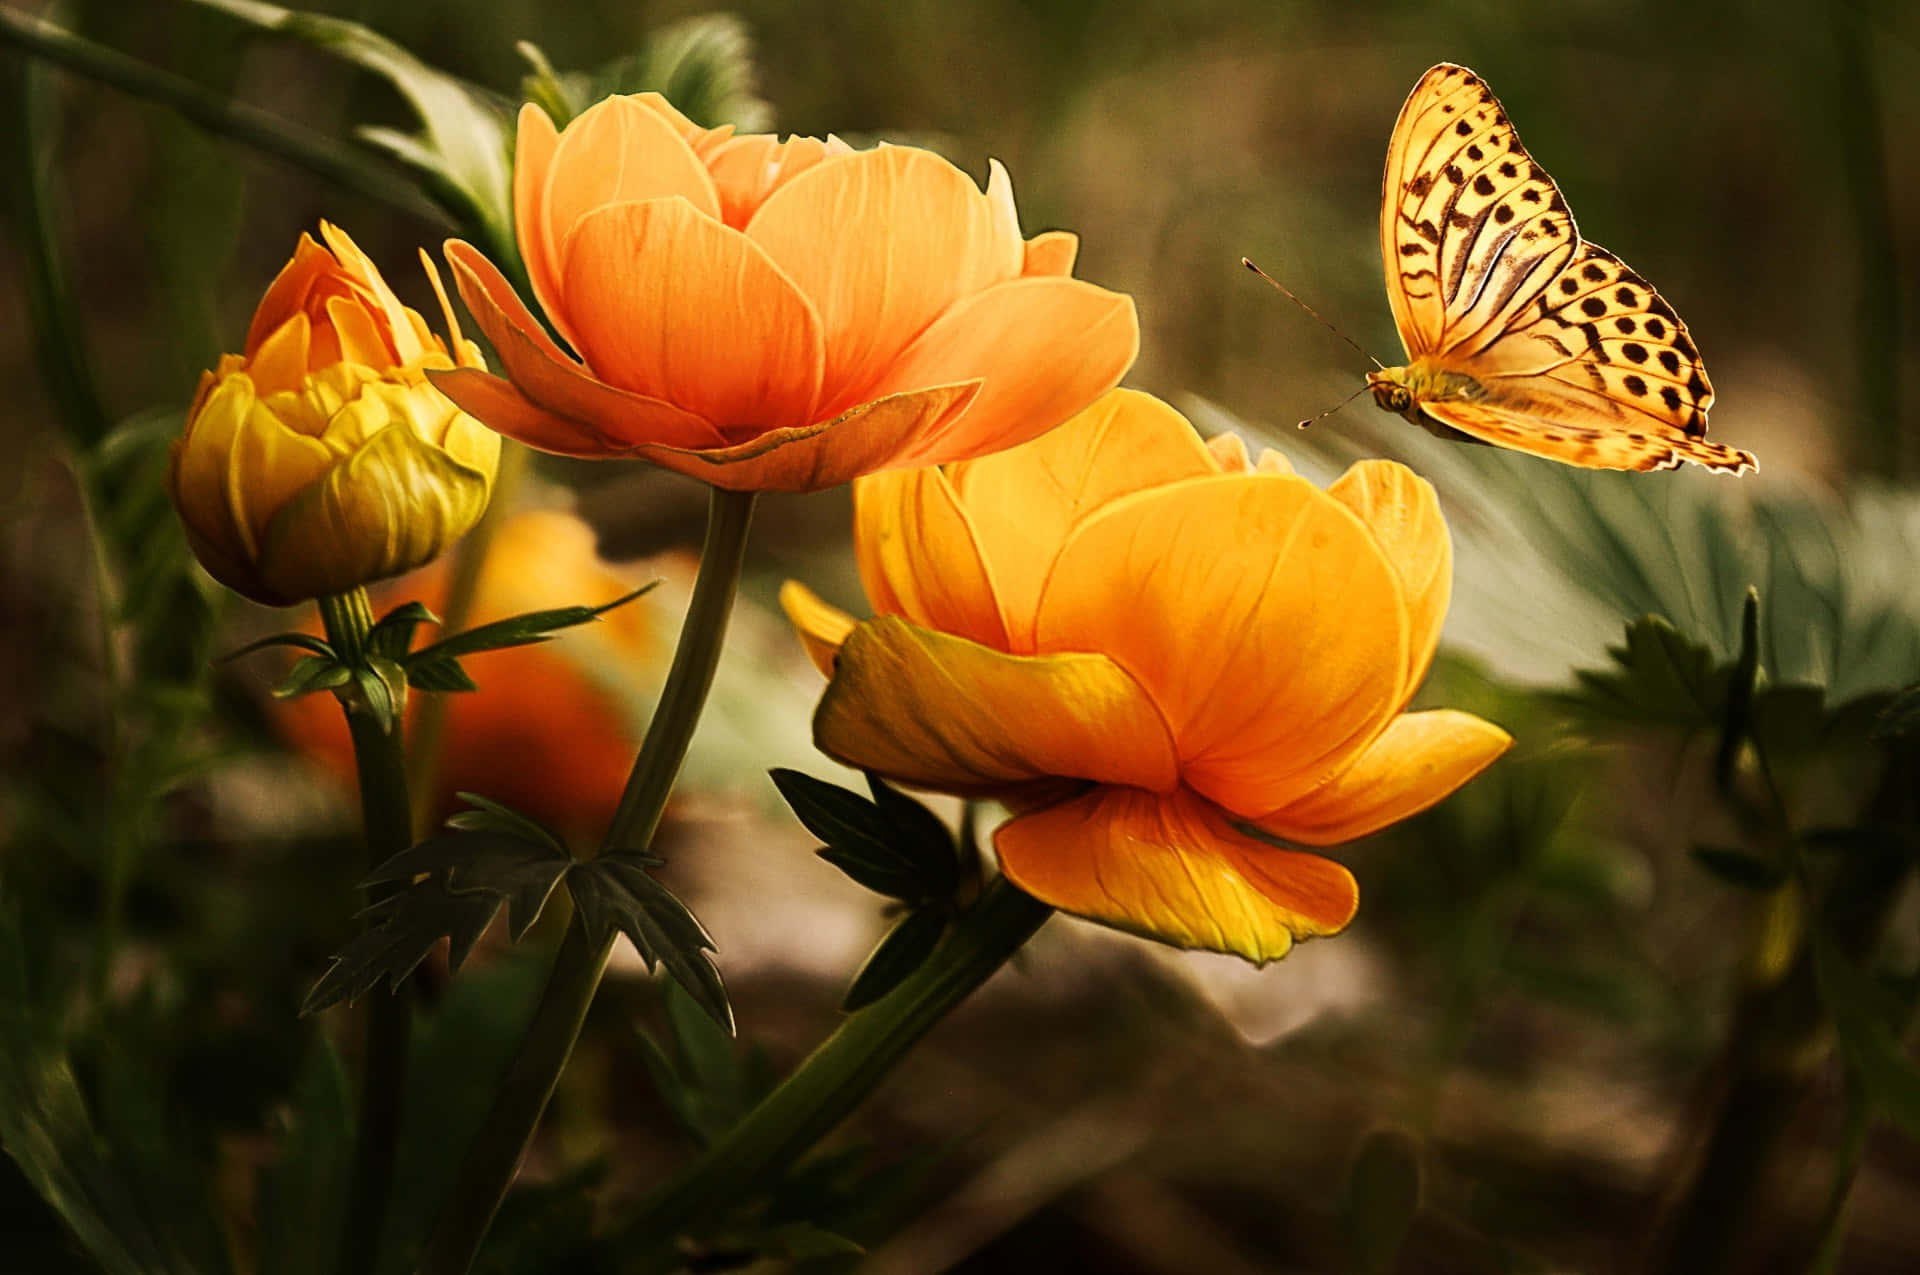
(1519, 332)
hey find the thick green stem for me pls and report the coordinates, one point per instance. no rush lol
(380, 757)
(843, 1070)
(497, 1149)
(215, 113)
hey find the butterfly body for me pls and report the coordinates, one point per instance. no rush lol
(1519, 332)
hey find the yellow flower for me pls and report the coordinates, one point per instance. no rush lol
(1143, 644)
(321, 458)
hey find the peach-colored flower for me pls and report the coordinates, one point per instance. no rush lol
(776, 315)
(320, 459)
(1145, 645)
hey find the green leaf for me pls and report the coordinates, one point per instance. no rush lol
(312, 673)
(303, 1193)
(511, 868)
(1739, 867)
(614, 893)
(466, 144)
(1382, 1196)
(1737, 722)
(1663, 678)
(905, 948)
(393, 635)
(379, 695)
(489, 815)
(920, 834)
(519, 630)
(440, 674)
(885, 849)
(1870, 1023)
(405, 927)
(303, 641)
(702, 64)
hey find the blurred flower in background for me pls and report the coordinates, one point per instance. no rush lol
(776, 315)
(319, 458)
(1141, 642)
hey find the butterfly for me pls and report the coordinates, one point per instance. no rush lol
(1519, 332)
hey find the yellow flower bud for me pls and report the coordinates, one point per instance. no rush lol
(322, 458)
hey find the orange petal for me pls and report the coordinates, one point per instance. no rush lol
(287, 294)
(1419, 759)
(1403, 512)
(501, 407)
(861, 440)
(551, 380)
(533, 149)
(1258, 613)
(279, 360)
(747, 169)
(919, 558)
(822, 627)
(1022, 503)
(669, 303)
(1052, 252)
(883, 242)
(1172, 868)
(938, 711)
(1046, 347)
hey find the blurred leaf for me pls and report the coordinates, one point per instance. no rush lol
(1737, 722)
(393, 635)
(702, 1078)
(303, 1192)
(1901, 717)
(544, 1226)
(1870, 1024)
(702, 64)
(488, 815)
(406, 926)
(1382, 1195)
(1664, 678)
(1741, 868)
(1873, 838)
(614, 893)
(898, 849)
(465, 150)
(518, 630)
(904, 949)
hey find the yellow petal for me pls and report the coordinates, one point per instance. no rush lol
(822, 627)
(882, 242)
(197, 479)
(1419, 759)
(1172, 868)
(1046, 348)
(1401, 509)
(1051, 252)
(919, 559)
(1022, 503)
(669, 303)
(268, 466)
(1229, 452)
(1258, 613)
(940, 712)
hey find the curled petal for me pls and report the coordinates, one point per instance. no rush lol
(506, 410)
(1171, 867)
(1046, 347)
(1419, 759)
(669, 303)
(1051, 252)
(822, 627)
(919, 558)
(1259, 614)
(934, 710)
(1403, 512)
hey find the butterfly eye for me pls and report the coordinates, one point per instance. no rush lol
(1399, 399)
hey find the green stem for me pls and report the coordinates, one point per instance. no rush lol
(496, 1151)
(215, 113)
(380, 758)
(843, 1070)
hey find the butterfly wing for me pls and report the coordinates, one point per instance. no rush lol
(1470, 227)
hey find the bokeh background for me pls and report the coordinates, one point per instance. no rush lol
(1536, 1002)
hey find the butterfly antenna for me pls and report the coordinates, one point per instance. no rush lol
(1331, 410)
(1288, 292)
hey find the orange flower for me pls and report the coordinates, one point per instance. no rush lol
(320, 459)
(1139, 643)
(776, 315)
(550, 731)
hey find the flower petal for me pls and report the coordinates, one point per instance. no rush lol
(882, 242)
(287, 295)
(821, 626)
(533, 149)
(551, 380)
(503, 408)
(1051, 252)
(938, 711)
(1172, 868)
(1046, 347)
(919, 558)
(1419, 759)
(1022, 503)
(859, 441)
(669, 303)
(748, 169)
(1403, 512)
(1259, 614)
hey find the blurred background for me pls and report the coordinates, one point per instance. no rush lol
(1571, 992)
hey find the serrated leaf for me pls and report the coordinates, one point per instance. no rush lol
(614, 894)
(1869, 1025)
(489, 815)
(863, 842)
(1663, 678)
(442, 674)
(1740, 867)
(393, 635)
(920, 834)
(520, 630)
(406, 926)
(905, 949)
(1381, 1198)
(522, 872)
(302, 641)
(312, 673)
